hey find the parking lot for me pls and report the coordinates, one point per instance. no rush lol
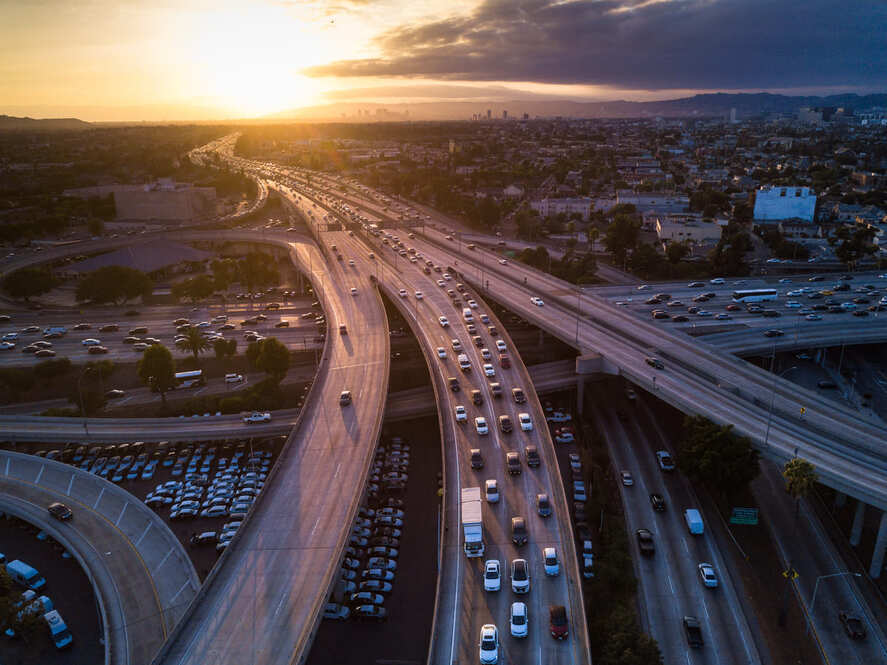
(403, 635)
(68, 588)
(185, 480)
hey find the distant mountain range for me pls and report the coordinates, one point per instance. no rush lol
(704, 105)
(10, 123)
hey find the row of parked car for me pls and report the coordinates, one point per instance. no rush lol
(370, 563)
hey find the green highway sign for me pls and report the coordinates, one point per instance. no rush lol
(744, 516)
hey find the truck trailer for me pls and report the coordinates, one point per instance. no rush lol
(472, 522)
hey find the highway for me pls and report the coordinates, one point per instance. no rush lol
(697, 378)
(262, 600)
(465, 606)
(139, 571)
(669, 582)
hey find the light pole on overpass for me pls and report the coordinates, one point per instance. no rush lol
(773, 398)
(578, 314)
(816, 588)
(83, 373)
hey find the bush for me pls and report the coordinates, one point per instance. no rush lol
(61, 412)
(232, 405)
(49, 369)
(16, 379)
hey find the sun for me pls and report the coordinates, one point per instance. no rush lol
(247, 60)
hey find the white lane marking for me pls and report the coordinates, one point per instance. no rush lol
(70, 485)
(686, 549)
(314, 528)
(122, 512)
(338, 468)
(162, 561)
(8, 460)
(101, 494)
(181, 588)
(144, 533)
(40, 475)
(670, 585)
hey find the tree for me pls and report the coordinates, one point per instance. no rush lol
(800, 478)
(854, 246)
(193, 342)
(224, 348)
(28, 282)
(645, 260)
(95, 226)
(114, 284)
(224, 272)
(195, 288)
(157, 369)
(675, 252)
(715, 456)
(621, 237)
(270, 356)
(257, 270)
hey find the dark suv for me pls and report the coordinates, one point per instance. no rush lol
(518, 531)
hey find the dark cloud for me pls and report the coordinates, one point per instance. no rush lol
(726, 44)
(435, 91)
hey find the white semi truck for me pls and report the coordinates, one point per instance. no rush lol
(472, 522)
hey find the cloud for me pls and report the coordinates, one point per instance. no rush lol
(641, 44)
(436, 91)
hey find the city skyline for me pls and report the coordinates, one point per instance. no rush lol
(122, 60)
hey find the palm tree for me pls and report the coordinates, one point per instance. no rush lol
(194, 342)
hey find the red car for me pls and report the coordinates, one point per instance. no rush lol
(558, 624)
(504, 361)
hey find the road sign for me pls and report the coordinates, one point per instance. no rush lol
(744, 516)
(803, 410)
(790, 574)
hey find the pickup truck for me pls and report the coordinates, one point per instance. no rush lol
(257, 417)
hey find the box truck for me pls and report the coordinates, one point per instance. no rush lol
(472, 522)
(693, 518)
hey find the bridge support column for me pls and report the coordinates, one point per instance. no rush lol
(840, 499)
(880, 547)
(856, 529)
(580, 394)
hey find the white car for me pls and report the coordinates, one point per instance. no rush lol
(627, 480)
(91, 342)
(442, 320)
(716, 280)
(480, 424)
(10, 337)
(461, 414)
(485, 354)
(501, 347)
(492, 490)
(707, 573)
(489, 370)
(233, 378)
(520, 576)
(257, 417)
(353, 291)
(666, 463)
(350, 263)
(549, 559)
(537, 301)
(519, 621)
(402, 293)
(441, 283)
(419, 295)
(492, 575)
(472, 304)
(526, 423)
(441, 353)
(456, 344)
(489, 644)
(7, 346)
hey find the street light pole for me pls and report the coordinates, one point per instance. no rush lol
(816, 588)
(773, 396)
(578, 314)
(83, 373)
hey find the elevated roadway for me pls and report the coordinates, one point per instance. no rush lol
(463, 605)
(262, 601)
(846, 449)
(142, 577)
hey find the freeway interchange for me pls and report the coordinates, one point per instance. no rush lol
(262, 602)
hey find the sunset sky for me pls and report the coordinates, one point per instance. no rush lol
(201, 59)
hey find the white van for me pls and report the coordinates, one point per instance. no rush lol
(464, 363)
(467, 314)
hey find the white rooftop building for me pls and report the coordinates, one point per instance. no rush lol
(777, 203)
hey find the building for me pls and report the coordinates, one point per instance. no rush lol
(677, 229)
(549, 207)
(513, 192)
(505, 115)
(163, 200)
(778, 203)
(662, 203)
